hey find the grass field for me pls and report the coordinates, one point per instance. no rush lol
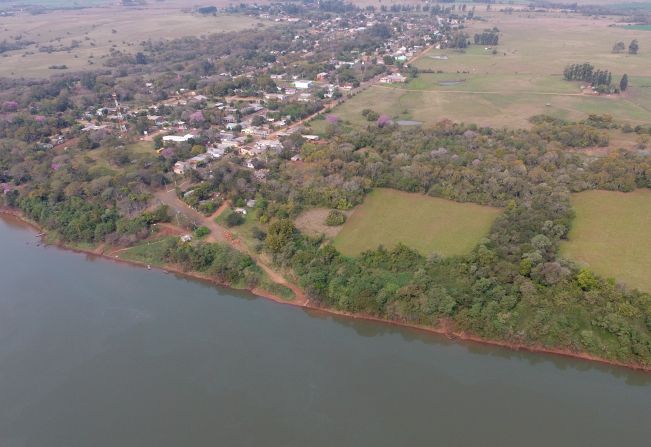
(97, 30)
(427, 224)
(612, 235)
(523, 79)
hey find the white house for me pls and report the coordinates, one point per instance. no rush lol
(303, 85)
(178, 138)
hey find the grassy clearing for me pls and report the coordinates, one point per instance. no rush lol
(312, 223)
(150, 252)
(427, 224)
(612, 235)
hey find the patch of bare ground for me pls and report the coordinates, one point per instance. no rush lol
(312, 223)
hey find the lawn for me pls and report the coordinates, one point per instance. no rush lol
(427, 224)
(612, 235)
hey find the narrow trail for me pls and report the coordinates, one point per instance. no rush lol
(220, 234)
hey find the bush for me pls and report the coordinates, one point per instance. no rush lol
(335, 218)
(234, 219)
(201, 232)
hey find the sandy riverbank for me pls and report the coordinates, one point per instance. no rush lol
(442, 330)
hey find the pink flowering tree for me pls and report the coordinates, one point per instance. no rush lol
(197, 117)
(384, 120)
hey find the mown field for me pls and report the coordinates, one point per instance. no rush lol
(427, 224)
(611, 234)
(522, 79)
(97, 31)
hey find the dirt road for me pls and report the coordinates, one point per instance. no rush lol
(220, 234)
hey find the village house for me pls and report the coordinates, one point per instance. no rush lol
(178, 138)
(180, 167)
(394, 78)
(303, 85)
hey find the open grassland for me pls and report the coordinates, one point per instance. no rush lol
(95, 31)
(430, 225)
(611, 235)
(523, 79)
(486, 108)
(544, 43)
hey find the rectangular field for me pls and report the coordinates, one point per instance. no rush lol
(427, 224)
(612, 235)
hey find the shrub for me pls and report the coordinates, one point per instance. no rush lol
(201, 232)
(234, 219)
(335, 218)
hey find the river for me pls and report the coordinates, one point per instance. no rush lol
(96, 353)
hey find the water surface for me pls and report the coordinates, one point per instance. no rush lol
(94, 353)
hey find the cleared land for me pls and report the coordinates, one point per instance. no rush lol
(81, 38)
(312, 223)
(612, 235)
(522, 79)
(427, 224)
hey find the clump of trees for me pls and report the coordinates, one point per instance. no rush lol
(335, 218)
(587, 73)
(487, 37)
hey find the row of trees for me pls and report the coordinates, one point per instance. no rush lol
(587, 73)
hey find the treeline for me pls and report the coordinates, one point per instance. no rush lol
(219, 261)
(487, 37)
(587, 73)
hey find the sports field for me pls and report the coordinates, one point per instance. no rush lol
(427, 224)
(612, 235)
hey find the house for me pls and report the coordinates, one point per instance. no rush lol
(199, 159)
(321, 76)
(180, 167)
(178, 138)
(186, 238)
(394, 78)
(311, 137)
(216, 152)
(240, 211)
(296, 157)
(303, 85)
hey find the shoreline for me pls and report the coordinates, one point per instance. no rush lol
(307, 305)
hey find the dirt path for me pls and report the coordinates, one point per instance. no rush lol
(220, 234)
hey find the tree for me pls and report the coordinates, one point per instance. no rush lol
(633, 47)
(619, 47)
(623, 83)
(140, 58)
(335, 218)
